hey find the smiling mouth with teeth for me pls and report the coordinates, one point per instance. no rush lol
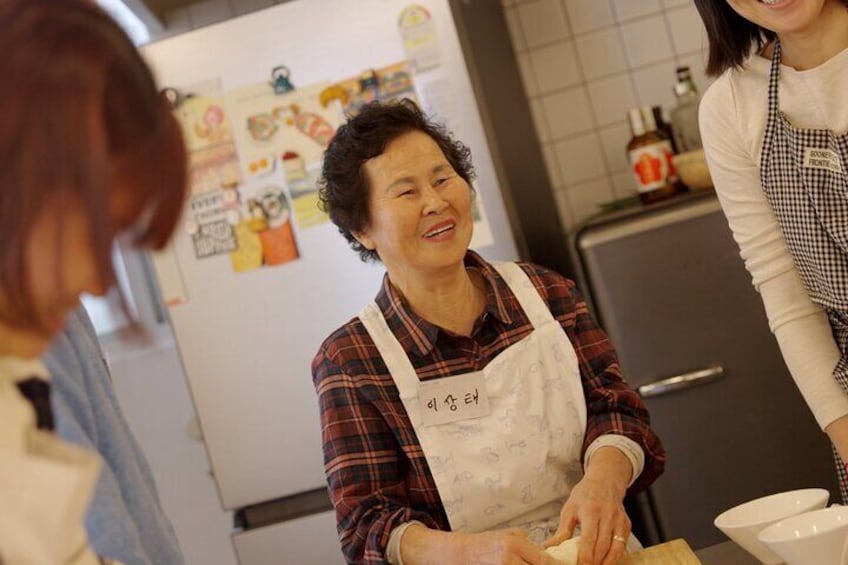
(439, 232)
(769, 2)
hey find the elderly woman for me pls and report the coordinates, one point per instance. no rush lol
(474, 410)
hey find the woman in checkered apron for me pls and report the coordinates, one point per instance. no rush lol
(775, 130)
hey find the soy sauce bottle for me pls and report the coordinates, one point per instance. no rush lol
(650, 153)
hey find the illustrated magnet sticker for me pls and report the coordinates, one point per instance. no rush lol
(207, 207)
(212, 157)
(392, 82)
(248, 256)
(210, 220)
(281, 142)
(294, 167)
(302, 182)
(419, 37)
(214, 238)
(265, 234)
(278, 245)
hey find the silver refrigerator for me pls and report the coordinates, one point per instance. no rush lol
(667, 283)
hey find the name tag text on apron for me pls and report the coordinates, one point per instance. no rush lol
(821, 159)
(452, 399)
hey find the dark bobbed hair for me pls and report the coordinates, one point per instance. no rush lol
(343, 189)
(731, 37)
(81, 121)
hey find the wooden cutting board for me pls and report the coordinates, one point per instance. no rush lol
(675, 552)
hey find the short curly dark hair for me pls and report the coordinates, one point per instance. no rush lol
(343, 189)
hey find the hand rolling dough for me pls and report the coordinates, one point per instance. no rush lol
(566, 552)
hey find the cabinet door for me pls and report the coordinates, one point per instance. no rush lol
(673, 294)
(306, 541)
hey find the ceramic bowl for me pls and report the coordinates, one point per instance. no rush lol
(692, 169)
(743, 523)
(813, 537)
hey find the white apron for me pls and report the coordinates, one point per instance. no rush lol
(516, 466)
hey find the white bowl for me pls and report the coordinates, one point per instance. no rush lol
(743, 523)
(813, 537)
(816, 537)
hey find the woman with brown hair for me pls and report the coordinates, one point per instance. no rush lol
(775, 131)
(88, 151)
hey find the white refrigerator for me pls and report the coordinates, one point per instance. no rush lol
(246, 339)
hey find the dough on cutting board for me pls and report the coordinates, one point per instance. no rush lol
(566, 552)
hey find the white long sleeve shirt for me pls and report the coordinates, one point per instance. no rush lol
(45, 483)
(733, 117)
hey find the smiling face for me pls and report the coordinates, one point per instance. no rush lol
(419, 208)
(786, 16)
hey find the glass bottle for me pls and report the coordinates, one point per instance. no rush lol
(649, 153)
(664, 127)
(684, 116)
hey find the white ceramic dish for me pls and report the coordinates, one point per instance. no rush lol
(816, 537)
(744, 523)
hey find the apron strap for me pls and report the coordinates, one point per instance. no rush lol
(774, 79)
(525, 291)
(773, 119)
(395, 358)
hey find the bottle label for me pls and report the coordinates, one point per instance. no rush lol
(652, 167)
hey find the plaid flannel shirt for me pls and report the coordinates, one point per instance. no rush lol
(376, 470)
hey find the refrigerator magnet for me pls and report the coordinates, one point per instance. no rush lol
(419, 37)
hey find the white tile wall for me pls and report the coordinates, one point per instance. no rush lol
(626, 10)
(556, 66)
(568, 112)
(585, 197)
(697, 63)
(581, 77)
(673, 3)
(646, 41)
(600, 53)
(624, 183)
(543, 22)
(586, 15)
(687, 30)
(655, 85)
(614, 139)
(612, 97)
(580, 158)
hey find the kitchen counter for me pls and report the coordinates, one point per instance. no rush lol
(727, 553)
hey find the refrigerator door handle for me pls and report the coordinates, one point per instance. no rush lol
(680, 382)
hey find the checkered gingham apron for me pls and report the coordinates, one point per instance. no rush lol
(811, 206)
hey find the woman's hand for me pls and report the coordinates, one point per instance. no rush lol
(421, 545)
(596, 504)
